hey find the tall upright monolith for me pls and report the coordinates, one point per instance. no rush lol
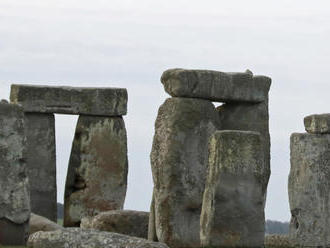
(98, 167)
(233, 210)
(14, 186)
(309, 184)
(179, 161)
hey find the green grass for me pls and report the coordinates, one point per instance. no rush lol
(60, 222)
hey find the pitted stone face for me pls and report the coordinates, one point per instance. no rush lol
(70, 100)
(97, 173)
(317, 124)
(128, 222)
(309, 190)
(179, 162)
(77, 237)
(233, 210)
(14, 195)
(216, 86)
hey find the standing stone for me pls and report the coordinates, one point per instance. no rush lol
(41, 163)
(179, 160)
(14, 186)
(97, 173)
(233, 208)
(250, 117)
(309, 190)
(215, 85)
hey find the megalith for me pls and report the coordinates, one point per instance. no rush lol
(250, 116)
(41, 163)
(179, 156)
(233, 209)
(14, 186)
(98, 166)
(309, 184)
(100, 111)
(179, 160)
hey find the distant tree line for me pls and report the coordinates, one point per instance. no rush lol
(60, 211)
(277, 227)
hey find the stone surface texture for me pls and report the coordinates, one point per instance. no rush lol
(280, 241)
(215, 85)
(318, 124)
(87, 238)
(309, 190)
(70, 100)
(97, 173)
(233, 209)
(128, 222)
(248, 117)
(38, 223)
(41, 163)
(179, 160)
(14, 185)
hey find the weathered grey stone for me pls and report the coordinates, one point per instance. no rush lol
(215, 85)
(128, 222)
(317, 124)
(70, 100)
(39, 223)
(41, 163)
(179, 160)
(14, 186)
(86, 222)
(233, 209)
(280, 241)
(87, 238)
(152, 235)
(97, 173)
(309, 190)
(12, 233)
(249, 117)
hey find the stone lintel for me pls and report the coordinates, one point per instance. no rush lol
(70, 100)
(216, 86)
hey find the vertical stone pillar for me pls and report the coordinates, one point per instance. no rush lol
(179, 161)
(41, 163)
(233, 209)
(309, 183)
(97, 173)
(14, 187)
(250, 116)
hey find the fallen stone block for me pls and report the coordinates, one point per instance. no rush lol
(77, 238)
(128, 222)
(38, 223)
(97, 173)
(317, 124)
(14, 195)
(215, 85)
(70, 100)
(233, 210)
(309, 190)
(179, 161)
(41, 163)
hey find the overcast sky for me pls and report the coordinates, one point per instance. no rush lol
(121, 43)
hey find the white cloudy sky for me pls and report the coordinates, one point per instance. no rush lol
(126, 43)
